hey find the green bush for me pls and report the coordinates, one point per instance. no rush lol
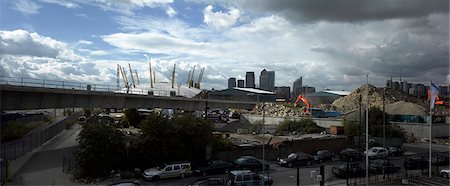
(256, 127)
(16, 130)
(101, 150)
(303, 126)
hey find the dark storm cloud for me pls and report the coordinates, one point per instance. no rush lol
(347, 10)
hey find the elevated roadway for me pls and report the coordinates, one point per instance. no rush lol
(15, 97)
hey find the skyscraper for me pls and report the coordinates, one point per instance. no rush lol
(297, 87)
(240, 83)
(231, 82)
(250, 80)
(267, 80)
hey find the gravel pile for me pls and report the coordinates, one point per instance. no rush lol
(277, 110)
(350, 102)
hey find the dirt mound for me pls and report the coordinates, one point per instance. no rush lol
(351, 102)
(405, 108)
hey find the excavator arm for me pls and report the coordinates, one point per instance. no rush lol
(300, 97)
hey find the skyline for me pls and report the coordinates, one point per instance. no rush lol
(330, 44)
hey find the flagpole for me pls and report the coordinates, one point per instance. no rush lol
(431, 138)
(367, 131)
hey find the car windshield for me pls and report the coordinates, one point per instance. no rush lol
(374, 150)
(240, 160)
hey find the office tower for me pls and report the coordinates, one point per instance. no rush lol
(250, 80)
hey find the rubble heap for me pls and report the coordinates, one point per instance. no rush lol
(350, 102)
(277, 110)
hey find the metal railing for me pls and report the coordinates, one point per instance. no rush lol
(15, 149)
(71, 85)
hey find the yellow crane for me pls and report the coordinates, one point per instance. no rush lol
(200, 76)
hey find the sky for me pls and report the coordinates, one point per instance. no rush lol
(331, 44)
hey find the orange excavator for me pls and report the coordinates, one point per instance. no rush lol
(300, 97)
(438, 100)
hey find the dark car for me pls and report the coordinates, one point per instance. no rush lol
(440, 158)
(416, 162)
(250, 163)
(323, 155)
(349, 170)
(350, 154)
(208, 182)
(382, 166)
(296, 159)
(214, 167)
(125, 183)
(396, 151)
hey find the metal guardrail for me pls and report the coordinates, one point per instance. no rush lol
(17, 148)
(71, 85)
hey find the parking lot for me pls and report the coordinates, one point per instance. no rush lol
(308, 175)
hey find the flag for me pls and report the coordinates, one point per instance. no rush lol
(433, 94)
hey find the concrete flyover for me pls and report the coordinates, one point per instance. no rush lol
(23, 97)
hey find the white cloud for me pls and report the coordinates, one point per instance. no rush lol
(26, 7)
(23, 43)
(64, 3)
(220, 19)
(170, 11)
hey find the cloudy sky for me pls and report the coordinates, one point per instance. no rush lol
(332, 44)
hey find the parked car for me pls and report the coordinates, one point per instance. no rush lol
(209, 182)
(350, 154)
(296, 159)
(440, 159)
(377, 152)
(444, 173)
(170, 170)
(396, 151)
(382, 166)
(126, 183)
(250, 163)
(323, 155)
(247, 177)
(213, 167)
(416, 162)
(354, 169)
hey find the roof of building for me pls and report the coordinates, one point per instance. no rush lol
(163, 89)
(337, 92)
(254, 90)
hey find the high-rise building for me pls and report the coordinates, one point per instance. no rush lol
(404, 86)
(231, 82)
(250, 80)
(240, 83)
(296, 87)
(389, 84)
(267, 80)
(283, 92)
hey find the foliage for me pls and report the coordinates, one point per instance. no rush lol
(256, 127)
(101, 150)
(133, 117)
(376, 125)
(15, 130)
(87, 112)
(181, 138)
(350, 128)
(303, 126)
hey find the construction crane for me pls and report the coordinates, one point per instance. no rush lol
(118, 76)
(197, 84)
(173, 75)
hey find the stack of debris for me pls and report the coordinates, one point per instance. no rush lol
(351, 102)
(277, 110)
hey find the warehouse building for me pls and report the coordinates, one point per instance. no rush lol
(243, 94)
(325, 97)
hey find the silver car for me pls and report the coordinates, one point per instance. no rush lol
(170, 170)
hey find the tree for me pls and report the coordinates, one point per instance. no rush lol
(350, 128)
(133, 117)
(257, 127)
(181, 138)
(303, 126)
(376, 125)
(101, 150)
